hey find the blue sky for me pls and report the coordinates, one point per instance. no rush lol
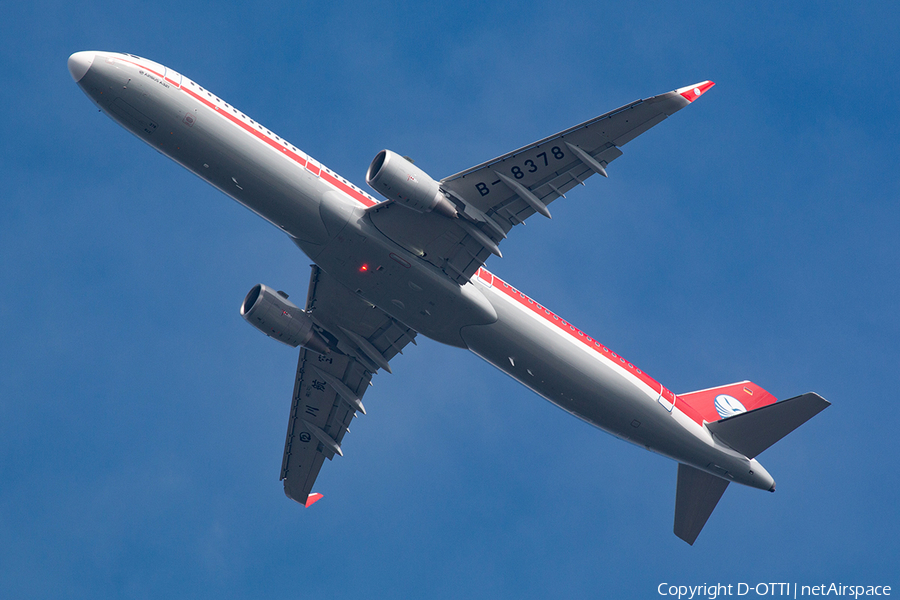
(751, 236)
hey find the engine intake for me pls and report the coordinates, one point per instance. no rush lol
(397, 178)
(280, 319)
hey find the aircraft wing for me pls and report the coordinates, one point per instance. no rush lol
(496, 195)
(328, 389)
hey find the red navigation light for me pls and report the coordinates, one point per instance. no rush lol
(364, 268)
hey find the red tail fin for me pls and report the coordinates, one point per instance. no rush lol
(724, 401)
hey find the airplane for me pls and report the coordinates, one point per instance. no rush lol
(413, 263)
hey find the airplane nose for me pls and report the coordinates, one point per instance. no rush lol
(79, 63)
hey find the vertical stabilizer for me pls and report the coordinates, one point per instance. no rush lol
(696, 496)
(748, 432)
(726, 400)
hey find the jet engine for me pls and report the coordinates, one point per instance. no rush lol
(398, 179)
(277, 317)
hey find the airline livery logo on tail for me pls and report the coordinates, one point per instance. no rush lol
(728, 406)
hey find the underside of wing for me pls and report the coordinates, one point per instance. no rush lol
(319, 418)
(328, 388)
(493, 197)
(512, 187)
(448, 244)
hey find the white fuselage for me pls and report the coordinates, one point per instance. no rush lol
(325, 216)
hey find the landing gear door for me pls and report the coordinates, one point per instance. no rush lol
(173, 77)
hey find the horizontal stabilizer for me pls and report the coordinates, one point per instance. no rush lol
(752, 432)
(696, 496)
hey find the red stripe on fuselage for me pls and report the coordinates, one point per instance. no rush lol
(561, 324)
(484, 274)
(360, 197)
(144, 67)
(346, 188)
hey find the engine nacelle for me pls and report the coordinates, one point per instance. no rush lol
(398, 179)
(280, 319)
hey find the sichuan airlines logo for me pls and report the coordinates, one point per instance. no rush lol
(728, 406)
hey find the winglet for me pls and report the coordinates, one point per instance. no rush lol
(312, 499)
(692, 92)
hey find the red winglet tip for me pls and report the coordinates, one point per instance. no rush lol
(312, 499)
(692, 92)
